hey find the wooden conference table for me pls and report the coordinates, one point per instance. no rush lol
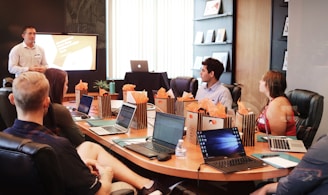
(186, 167)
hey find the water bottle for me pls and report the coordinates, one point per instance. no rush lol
(112, 87)
(180, 151)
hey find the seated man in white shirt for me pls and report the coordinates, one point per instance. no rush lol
(213, 89)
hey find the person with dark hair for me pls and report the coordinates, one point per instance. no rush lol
(278, 115)
(27, 56)
(58, 117)
(61, 122)
(213, 89)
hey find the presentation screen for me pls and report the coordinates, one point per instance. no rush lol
(69, 52)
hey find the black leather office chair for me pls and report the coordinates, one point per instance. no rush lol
(235, 91)
(308, 107)
(8, 112)
(2, 124)
(28, 167)
(181, 84)
(7, 82)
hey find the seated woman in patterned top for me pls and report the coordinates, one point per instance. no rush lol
(278, 115)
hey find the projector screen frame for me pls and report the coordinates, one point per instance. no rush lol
(83, 58)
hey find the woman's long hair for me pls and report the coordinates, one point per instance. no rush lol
(276, 83)
(56, 79)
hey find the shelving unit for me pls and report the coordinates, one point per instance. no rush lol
(213, 43)
(214, 16)
(224, 19)
(278, 41)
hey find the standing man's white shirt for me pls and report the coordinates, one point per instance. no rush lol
(21, 58)
(27, 56)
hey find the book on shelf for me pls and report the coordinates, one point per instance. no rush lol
(198, 62)
(285, 64)
(199, 38)
(220, 35)
(222, 57)
(212, 7)
(285, 31)
(210, 36)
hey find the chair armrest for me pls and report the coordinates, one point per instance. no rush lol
(122, 188)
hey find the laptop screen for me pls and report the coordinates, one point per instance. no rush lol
(125, 115)
(221, 143)
(168, 128)
(85, 104)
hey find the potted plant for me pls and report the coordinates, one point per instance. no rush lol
(103, 86)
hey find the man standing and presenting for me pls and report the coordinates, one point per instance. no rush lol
(213, 90)
(27, 56)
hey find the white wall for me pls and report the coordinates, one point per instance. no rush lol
(308, 50)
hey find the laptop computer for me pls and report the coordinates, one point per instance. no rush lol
(283, 143)
(116, 106)
(168, 129)
(223, 150)
(83, 108)
(122, 123)
(139, 65)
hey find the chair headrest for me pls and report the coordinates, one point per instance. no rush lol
(7, 82)
(235, 91)
(26, 146)
(303, 99)
(6, 89)
(184, 83)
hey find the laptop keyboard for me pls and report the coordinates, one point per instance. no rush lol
(142, 150)
(112, 129)
(78, 114)
(106, 130)
(99, 131)
(232, 162)
(280, 143)
(157, 148)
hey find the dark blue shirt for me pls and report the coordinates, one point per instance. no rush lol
(77, 176)
(310, 176)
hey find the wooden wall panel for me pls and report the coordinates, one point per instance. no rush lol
(253, 24)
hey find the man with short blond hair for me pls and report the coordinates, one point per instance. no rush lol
(30, 96)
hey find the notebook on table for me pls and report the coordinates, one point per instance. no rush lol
(122, 123)
(168, 129)
(139, 65)
(283, 143)
(223, 150)
(84, 107)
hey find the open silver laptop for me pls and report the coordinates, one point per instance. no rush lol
(168, 129)
(122, 123)
(283, 143)
(83, 108)
(139, 65)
